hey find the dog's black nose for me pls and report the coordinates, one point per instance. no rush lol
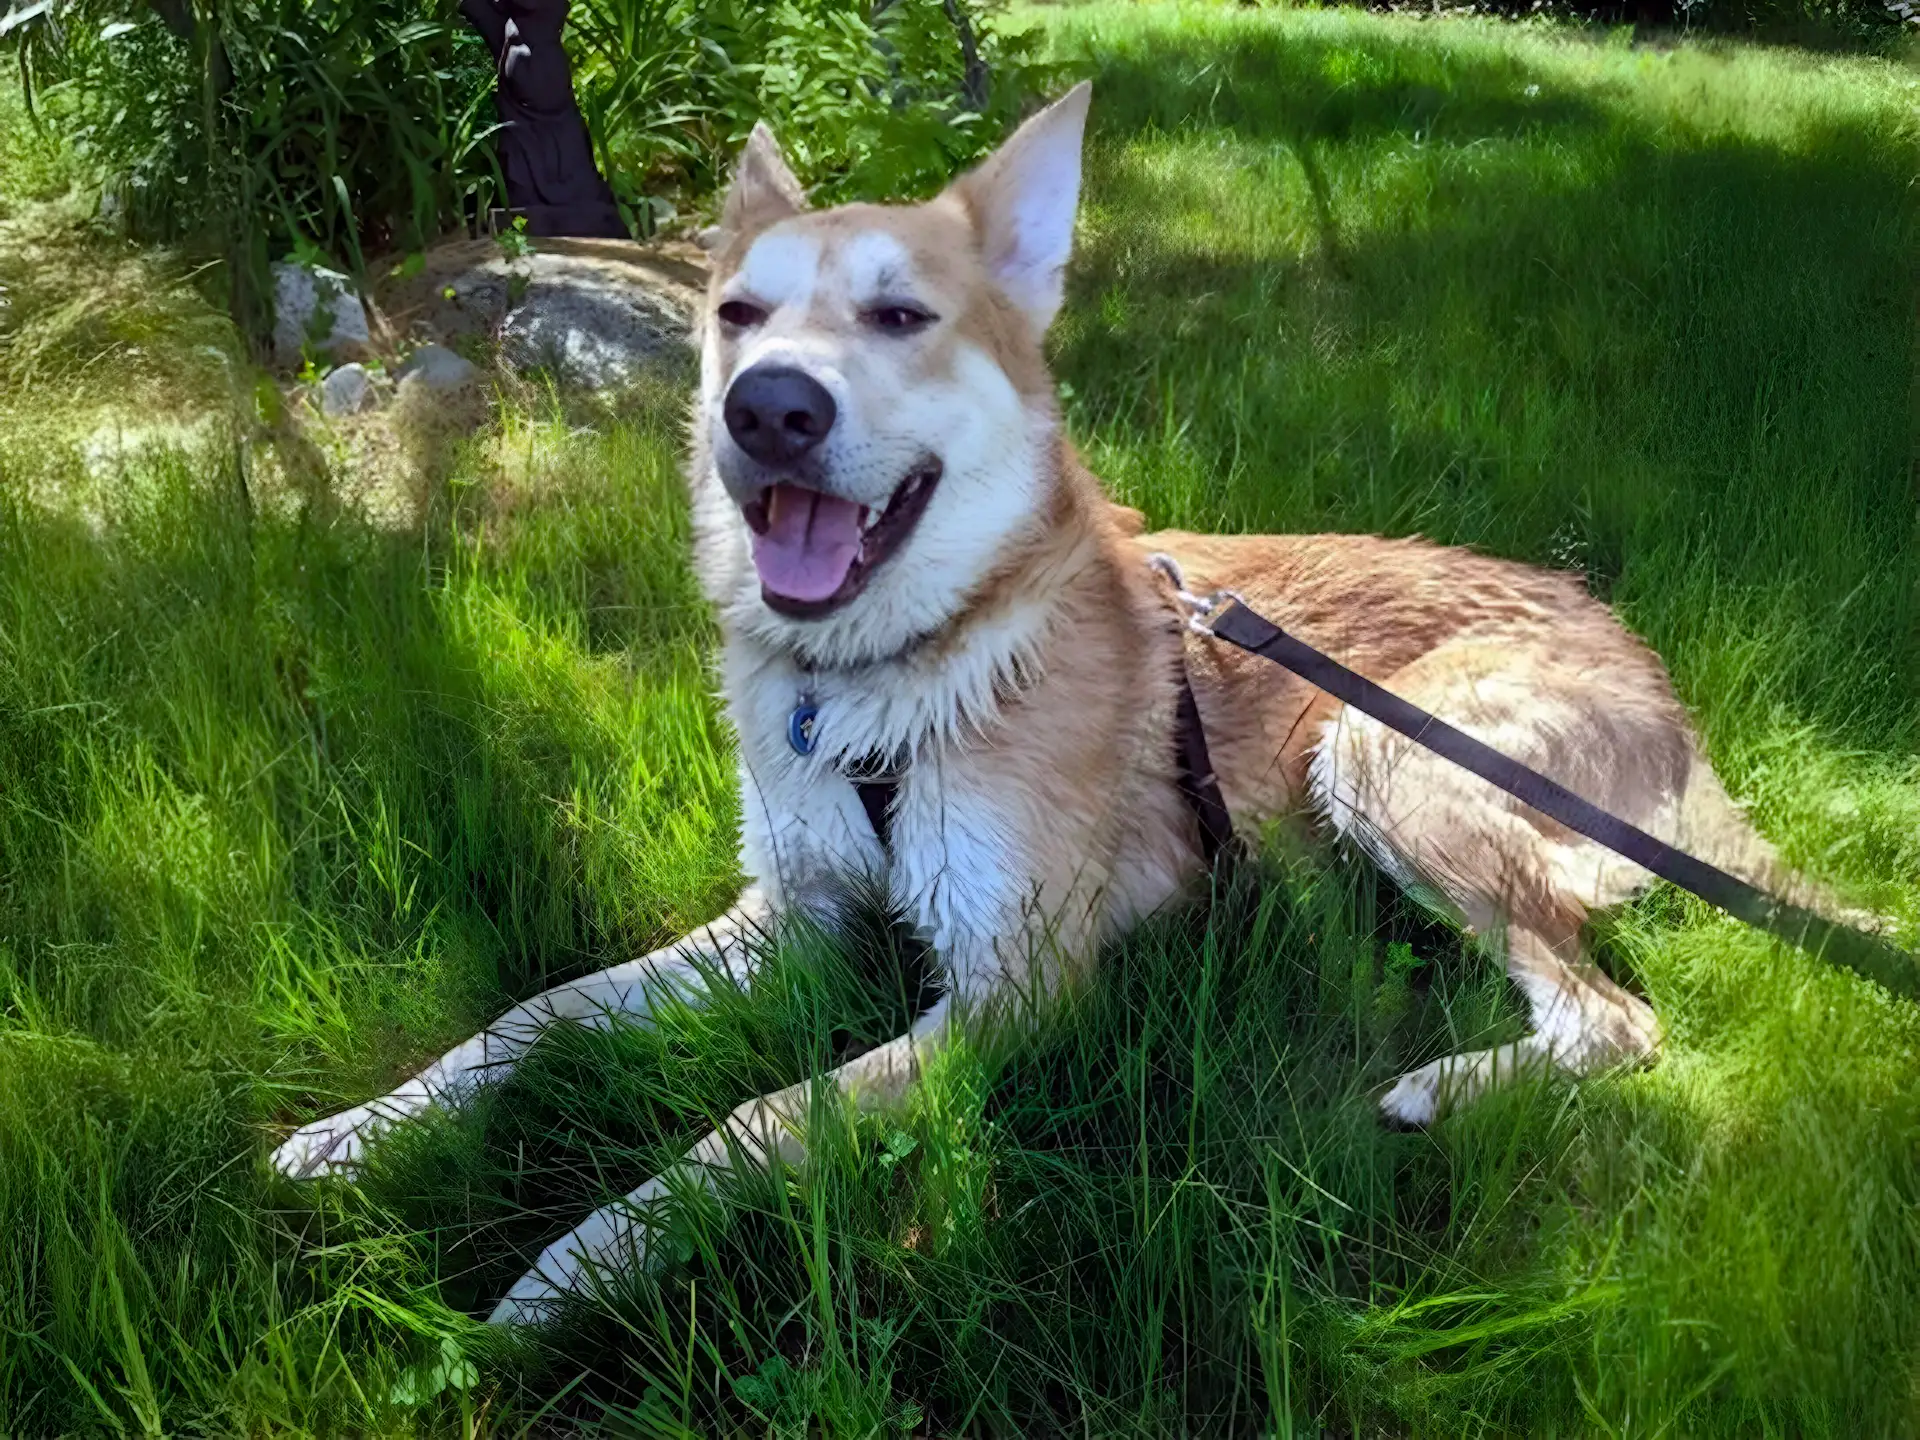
(777, 413)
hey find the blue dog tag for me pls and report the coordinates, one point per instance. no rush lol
(800, 726)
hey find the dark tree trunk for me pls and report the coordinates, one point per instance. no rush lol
(176, 15)
(546, 155)
(977, 80)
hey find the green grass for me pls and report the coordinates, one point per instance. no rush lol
(290, 799)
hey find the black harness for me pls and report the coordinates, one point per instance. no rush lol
(1199, 787)
(876, 798)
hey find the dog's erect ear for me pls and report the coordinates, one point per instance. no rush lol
(1023, 200)
(764, 189)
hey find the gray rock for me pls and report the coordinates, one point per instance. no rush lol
(590, 324)
(316, 307)
(435, 367)
(346, 390)
(473, 303)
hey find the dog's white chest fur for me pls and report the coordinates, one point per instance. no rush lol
(954, 857)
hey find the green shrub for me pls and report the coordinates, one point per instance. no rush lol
(343, 128)
(881, 107)
(1817, 24)
(870, 99)
(259, 127)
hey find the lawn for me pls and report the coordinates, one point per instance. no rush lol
(293, 796)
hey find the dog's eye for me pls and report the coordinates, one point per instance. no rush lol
(898, 319)
(741, 313)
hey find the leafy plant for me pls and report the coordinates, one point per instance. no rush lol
(513, 241)
(448, 1368)
(338, 128)
(877, 100)
(345, 128)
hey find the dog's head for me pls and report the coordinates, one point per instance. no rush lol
(876, 423)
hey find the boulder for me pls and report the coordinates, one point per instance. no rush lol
(592, 312)
(347, 390)
(316, 307)
(435, 367)
(590, 325)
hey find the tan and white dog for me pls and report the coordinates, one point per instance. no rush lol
(915, 575)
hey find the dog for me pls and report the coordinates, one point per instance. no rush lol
(925, 597)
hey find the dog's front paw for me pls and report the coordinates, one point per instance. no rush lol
(617, 1237)
(1414, 1099)
(338, 1144)
(605, 1239)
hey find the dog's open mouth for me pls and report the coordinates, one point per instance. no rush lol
(816, 551)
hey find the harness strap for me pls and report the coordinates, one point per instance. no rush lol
(1199, 786)
(876, 798)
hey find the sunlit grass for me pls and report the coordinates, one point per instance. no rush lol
(293, 795)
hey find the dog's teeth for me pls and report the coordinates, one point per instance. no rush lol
(867, 517)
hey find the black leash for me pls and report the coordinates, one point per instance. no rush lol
(1238, 624)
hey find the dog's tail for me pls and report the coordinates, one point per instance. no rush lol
(1715, 828)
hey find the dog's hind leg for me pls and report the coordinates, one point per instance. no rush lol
(1500, 867)
(618, 1237)
(1582, 1023)
(681, 971)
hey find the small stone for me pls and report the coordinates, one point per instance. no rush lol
(319, 308)
(435, 367)
(346, 390)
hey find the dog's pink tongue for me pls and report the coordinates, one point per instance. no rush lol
(809, 545)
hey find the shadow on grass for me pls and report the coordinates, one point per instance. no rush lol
(288, 803)
(1276, 85)
(995, 1232)
(1381, 286)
